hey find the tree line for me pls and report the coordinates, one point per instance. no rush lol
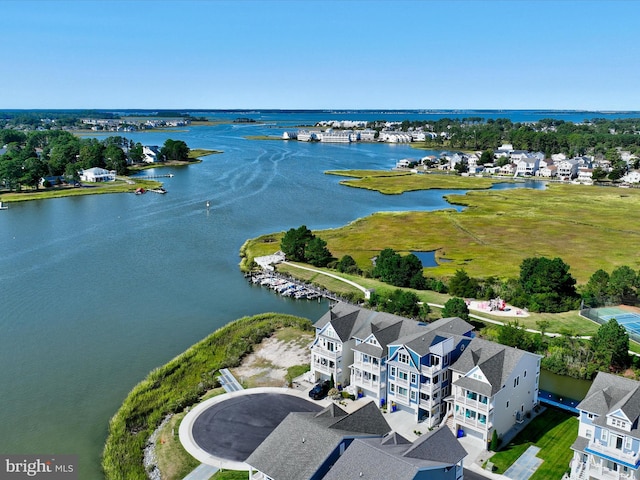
(33, 155)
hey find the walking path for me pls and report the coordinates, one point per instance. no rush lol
(229, 382)
(525, 466)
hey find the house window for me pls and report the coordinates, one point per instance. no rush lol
(365, 358)
(413, 395)
(604, 435)
(627, 443)
(588, 433)
(402, 375)
(393, 371)
(402, 391)
(414, 378)
(516, 381)
(331, 346)
(403, 358)
(392, 387)
(618, 444)
(507, 404)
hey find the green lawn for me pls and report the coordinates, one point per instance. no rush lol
(553, 432)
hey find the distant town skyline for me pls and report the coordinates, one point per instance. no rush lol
(352, 54)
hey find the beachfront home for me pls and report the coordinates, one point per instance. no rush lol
(548, 171)
(418, 368)
(97, 174)
(435, 455)
(494, 388)
(306, 444)
(608, 443)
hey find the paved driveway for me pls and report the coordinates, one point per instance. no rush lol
(225, 430)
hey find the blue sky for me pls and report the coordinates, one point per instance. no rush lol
(349, 54)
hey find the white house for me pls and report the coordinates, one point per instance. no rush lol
(494, 388)
(150, 153)
(548, 171)
(632, 177)
(567, 169)
(608, 443)
(527, 165)
(97, 174)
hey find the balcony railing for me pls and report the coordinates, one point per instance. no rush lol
(424, 370)
(326, 353)
(475, 404)
(474, 422)
(595, 446)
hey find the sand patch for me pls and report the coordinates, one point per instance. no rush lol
(267, 365)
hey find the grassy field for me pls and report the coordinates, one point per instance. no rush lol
(395, 182)
(588, 227)
(119, 186)
(554, 432)
(201, 152)
(178, 384)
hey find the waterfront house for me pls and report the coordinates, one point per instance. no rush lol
(608, 442)
(97, 174)
(151, 154)
(508, 169)
(348, 334)
(494, 388)
(527, 165)
(435, 455)
(418, 368)
(585, 175)
(548, 171)
(567, 169)
(306, 445)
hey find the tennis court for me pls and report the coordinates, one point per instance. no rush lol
(629, 319)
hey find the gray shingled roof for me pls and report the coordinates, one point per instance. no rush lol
(393, 457)
(496, 362)
(303, 441)
(609, 393)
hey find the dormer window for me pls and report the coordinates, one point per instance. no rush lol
(403, 358)
(616, 422)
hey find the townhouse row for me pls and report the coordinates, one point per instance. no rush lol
(438, 372)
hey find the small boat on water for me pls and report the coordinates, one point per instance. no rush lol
(140, 191)
(3, 206)
(158, 190)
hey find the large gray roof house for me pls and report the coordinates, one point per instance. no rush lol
(305, 445)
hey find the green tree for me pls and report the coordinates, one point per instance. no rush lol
(462, 285)
(610, 346)
(294, 242)
(456, 307)
(486, 157)
(547, 285)
(115, 159)
(597, 289)
(316, 252)
(348, 265)
(175, 150)
(623, 282)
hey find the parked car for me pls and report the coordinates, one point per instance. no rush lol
(320, 390)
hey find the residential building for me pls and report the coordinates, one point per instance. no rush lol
(151, 154)
(549, 171)
(608, 442)
(418, 368)
(97, 174)
(567, 169)
(306, 445)
(435, 455)
(494, 387)
(348, 336)
(632, 177)
(585, 175)
(527, 165)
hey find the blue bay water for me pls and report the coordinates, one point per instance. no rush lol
(96, 291)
